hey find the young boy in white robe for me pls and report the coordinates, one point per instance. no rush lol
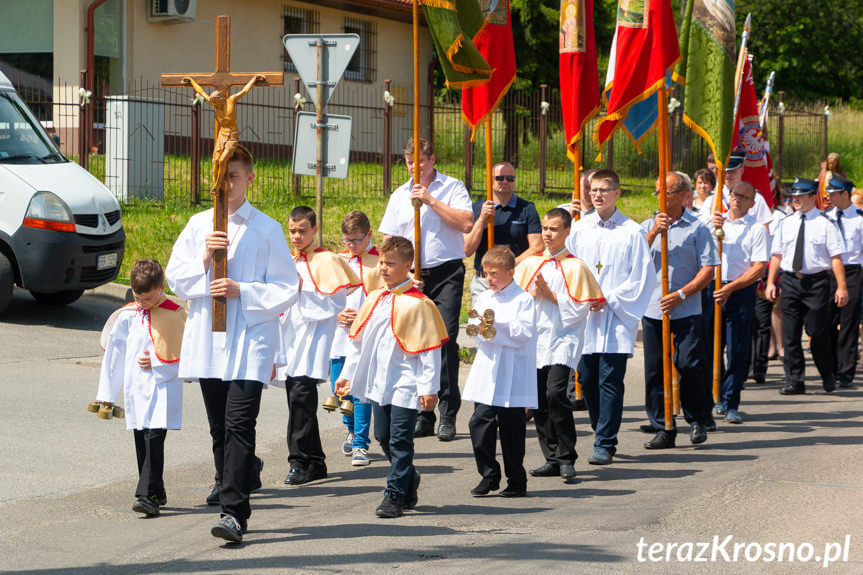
(395, 363)
(502, 379)
(362, 257)
(233, 366)
(307, 331)
(142, 350)
(564, 291)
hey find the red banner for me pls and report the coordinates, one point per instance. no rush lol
(579, 76)
(748, 137)
(644, 48)
(494, 41)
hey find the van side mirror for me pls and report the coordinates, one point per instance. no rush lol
(56, 139)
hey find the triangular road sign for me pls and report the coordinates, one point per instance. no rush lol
(338, 49)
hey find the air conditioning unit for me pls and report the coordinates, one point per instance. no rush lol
(172, 10)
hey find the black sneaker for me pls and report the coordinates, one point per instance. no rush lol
(446, 429)
(215, 496)
(389, 508)
(228, 528)
(162, 499)
(412, 498)
(147, 505)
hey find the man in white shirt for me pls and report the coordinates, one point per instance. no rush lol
(615, 249)
(849, 221)
(806, 246)
(445, 215)
(235, 365)
(744, 259)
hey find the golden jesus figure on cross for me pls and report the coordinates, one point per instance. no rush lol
(226, 118)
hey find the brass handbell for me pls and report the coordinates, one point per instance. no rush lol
(105, 412)
(472, 330)
(119, 412)
(94, 406)
(484, 328)
(331, 403)
(488, 316)
(346, 406)
(488, 331)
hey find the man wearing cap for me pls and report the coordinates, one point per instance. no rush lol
(849, 221)
(516, 225)
(806, 246)
(744, 258)
(691, 260)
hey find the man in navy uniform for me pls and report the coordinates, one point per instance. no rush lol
(806, 246)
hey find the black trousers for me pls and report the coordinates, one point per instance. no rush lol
(761, 335)
(150, 449)
(232, 410)
(394, 430)
(510, 422)
(805, 302)
(303, 436)
(444, 284)
(689, 359)
(555, 426)
(844, 341)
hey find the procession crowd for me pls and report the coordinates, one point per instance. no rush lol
(557, 300)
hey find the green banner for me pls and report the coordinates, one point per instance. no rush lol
(453, 25)
(706, 69)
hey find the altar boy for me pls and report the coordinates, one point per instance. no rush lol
(564, 291)
(235, 365)
(307, 331)
(395, 363)
(142, 348)
(502, 379)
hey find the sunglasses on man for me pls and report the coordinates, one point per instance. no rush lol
(502, 178)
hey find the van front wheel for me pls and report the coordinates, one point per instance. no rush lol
(7, 282)
(57, 298)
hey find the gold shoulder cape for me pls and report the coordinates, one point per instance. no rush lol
(167, 321)
(416, 322)
(370, 275)
(328, 271)
(580, 283)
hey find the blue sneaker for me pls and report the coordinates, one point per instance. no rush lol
(599, 457)
(733, 417)
(348, 444)
(360, 457)
(720, 409)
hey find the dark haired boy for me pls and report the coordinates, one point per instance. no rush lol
(142, 349)
(307, 331)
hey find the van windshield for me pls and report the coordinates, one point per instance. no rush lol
(22, 139)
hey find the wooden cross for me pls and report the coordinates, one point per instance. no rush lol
(222, 79)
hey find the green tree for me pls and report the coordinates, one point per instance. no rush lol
(814, 46)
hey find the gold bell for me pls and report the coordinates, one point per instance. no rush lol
(331, 403)
(472, 330)
(473, 314)
(105, 412)
(118, 412)
(488, 316)
(346, 406)
(488, 331)
(94, 406)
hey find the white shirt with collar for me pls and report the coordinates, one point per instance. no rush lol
(745, 243)
(440, 243)
(503, 373)
(759, 210)
(260, 260)
(617, 254)
(341, 343)
(851, 232)
(821, 242)
(381, 371)
(559, 325)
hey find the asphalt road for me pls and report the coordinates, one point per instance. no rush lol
(791, 474)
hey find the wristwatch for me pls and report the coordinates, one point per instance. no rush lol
(681, 294)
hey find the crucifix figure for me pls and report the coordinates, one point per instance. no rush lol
(227, 133)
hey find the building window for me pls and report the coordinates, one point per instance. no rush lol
(299, 21)
(362, 66)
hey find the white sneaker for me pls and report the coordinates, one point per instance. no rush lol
(360, 458)
(348, 445)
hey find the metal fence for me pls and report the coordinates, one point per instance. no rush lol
(161, 149)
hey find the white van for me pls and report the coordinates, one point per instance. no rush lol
(60, 229)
